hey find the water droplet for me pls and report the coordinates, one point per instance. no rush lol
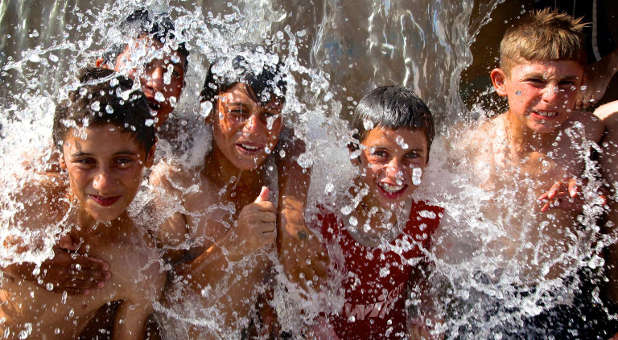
(353, 221)
(159, 97)
(518, 93)
(282, 153)
(96, 106)
(346, 210)
(416, 176)
(149, 122)
(109, 109)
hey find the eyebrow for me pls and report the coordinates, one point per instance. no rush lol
(124, 152)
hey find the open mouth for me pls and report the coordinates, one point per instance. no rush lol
(545, 114)
(104, 201)
(248, 148)
(392, 191)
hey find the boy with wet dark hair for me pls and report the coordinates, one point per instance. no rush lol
(105, 140)
(118, 105)
(243, 97)
(384, 240)
(392, 107)
(149, 56)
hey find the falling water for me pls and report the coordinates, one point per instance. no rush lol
(334, 52)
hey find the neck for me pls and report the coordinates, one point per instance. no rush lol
(232, 180)
(522, 140)
(384, 224)
(89, 228)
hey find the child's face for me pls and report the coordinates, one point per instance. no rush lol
(164, 73)
(540, 94)
(244, 130)
(105, 169)
(388, 158)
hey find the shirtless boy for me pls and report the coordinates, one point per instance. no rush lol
(159, 70)
(105, 144)
(540, 143)
(391, 229)
(231, 220)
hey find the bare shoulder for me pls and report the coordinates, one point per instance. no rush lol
(170, 177)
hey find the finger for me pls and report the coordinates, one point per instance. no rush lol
(554, 190)
(263, 196)
(545, 207)
(573, 189)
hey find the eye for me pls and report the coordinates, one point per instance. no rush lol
(537, 82)
(379, 153)
(413, 155)
(86, 162)
(123, 162)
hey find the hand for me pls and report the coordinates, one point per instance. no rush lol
(71, 272)
(562, 195)
(607, 110)
(256, 228)
(301, 253)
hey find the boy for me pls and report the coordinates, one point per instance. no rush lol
(229, 233)
(151, 58)
(385, 238)
(141, 60)
(105, 143)
(538, 144)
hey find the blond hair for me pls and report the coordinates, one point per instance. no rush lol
(542, 36)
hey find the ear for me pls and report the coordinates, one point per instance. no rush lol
(354, 147)
(498, 79)
(61, 162)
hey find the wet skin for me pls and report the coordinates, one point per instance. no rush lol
(158, 69)
(245, 130)
(104, 170)
(541, 95)
(104, 167)
(386, 168)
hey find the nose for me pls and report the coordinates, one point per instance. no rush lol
(154, 79)
(550, 93)
(253, 124)
(394, 169)
(103, 181)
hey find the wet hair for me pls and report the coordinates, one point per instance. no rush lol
(265, 77)
(392, 107)
(159, 27)
(105, 97)
(543, 36)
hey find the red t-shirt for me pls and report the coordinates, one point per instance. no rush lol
(376, 279)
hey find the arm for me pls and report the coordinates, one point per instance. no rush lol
(130, 321)
(422, 307)
(300, 252)
(228, 271)
(65, 271)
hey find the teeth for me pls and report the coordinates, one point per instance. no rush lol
(391, 188)
(548, 114)
(249, 147)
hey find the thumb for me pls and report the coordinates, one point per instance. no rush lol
(263, 195)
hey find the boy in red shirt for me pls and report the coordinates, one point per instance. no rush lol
(383, 242)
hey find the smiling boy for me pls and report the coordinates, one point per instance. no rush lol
(246, 202)
(384, 238)
(105, 144)
(532, 157)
